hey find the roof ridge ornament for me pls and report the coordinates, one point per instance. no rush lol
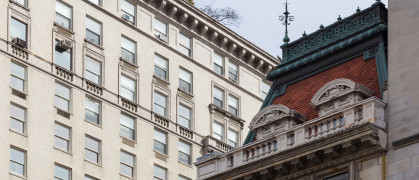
(286, 18)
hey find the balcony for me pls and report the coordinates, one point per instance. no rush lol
(211, 145)
(350, 131)
(161, 120)
(127, 104)
(64, 73)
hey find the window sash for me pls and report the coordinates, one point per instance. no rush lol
(21, 2)
(185, 158)
(128, 7)
(126, 170)
(218, 131)
(61, 143)
(63, 21)
(232, 110)
(17, 125)
(185, 86)
(17, 161)
(159, 72)
(218, 69)
(160, 27)
(159, 173)
(93, 37)
(62, 103)
(18, 29)
(128, 56)
(159, 146)
(97, 2)
(60, 169)
(218, 102)
(91, 155)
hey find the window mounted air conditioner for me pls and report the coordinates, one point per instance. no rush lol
(161, 37)
(65, 44)
(126, 17)
(19, 42)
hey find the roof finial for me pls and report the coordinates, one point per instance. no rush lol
(339, 18)
(304, 34)
(286, 20)
(358, 10)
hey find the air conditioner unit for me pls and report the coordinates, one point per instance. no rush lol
(233, 78)
(161, 37)
(19, 42)
(126, 17)
(65, 44)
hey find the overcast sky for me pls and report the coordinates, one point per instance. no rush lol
(261, 26)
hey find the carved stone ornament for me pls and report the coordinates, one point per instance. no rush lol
(274, 114)
(337, 89)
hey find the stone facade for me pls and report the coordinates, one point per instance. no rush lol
(325, 115)
(42, 72)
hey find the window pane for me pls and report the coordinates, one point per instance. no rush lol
(184, 86)
(126, 170)
(219, 94)
(160, 99)
(93, 66)
(185, 51)
(17, 168)
(127, 94)
(218, 131)
(185, 148)
(63, 21)
(18, 70)
(92, 106)
(218, 59)
(17, 29)
(185, 41)
(160, 72)
(182, 178)
(232, 68)
(63, 9)
(127, 133)
(61, 143)
(93, 26)
(128, 83)
(61, 172)
(185, 111)
(62, 131)
(61, 103)
(97, 2)
(160, 110)
(127, 158)
(232, 101)
(62, 58)
(160, 136)
(161, 27)
(185, 75)
(161, 62)
(184, 158)
(91, 156)
(92, 144)
(127, 121)
(184, 122)
(159, 172)
(17, 83)
(343, 176)
(22, 2)
(160, 147)
(17, 112)
(232, 136)
(16, 125)
(128, 45)
(128, 7)
(89, 178)
(17, 156)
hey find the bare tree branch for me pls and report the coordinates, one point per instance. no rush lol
(226, 16)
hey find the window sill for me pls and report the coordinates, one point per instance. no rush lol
(58, 149)
(19, 133)
(91, 162)
(66, 113)
(125, 176)
(190, 94)
(165, 155)
(20, 5)
(130, 140)
(94, 124)
(19, 93)
(188, 165)
(64, 28)
(17, 175)
(159, 78)
(94, 44)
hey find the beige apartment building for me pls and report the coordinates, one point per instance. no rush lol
(121, 89)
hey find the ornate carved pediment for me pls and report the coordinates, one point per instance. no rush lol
(275, 114)
(339, 93)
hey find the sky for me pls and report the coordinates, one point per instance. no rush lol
(260, 18)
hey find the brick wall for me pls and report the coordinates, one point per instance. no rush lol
(298, 96)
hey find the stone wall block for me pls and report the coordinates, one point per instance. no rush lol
(399, 166)
(400, 75)
(398, 104)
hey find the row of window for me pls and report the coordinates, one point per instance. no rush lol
(18, 164)
(63, 56)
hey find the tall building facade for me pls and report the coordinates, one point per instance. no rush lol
(121, 89)
(324, 117)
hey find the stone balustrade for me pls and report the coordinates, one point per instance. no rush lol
(211, 144)
(186, 132)
(161, 120)
(63, 73)
(127, 104)
(93, 87)
(370, 110)
(19, 52)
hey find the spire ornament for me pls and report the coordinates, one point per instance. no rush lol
(286, 18)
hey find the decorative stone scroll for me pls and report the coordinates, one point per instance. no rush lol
(275, 119)
(337, 94)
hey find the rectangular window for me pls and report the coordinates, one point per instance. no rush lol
(218, 131)
(128, 11)
(17, 77)
(265, 89)
(63, 57)
(62, 97)
(62, 173)
(87, 177)
(92, 111)
(232, 138)
(160, 104)
(127, 164)
(62, 137)
(185, 80)
(343, 176)
(232, 72)
(21, 2)
(17, 118)
(218, 64)
(184, 116)
(160, 141)
(218, 97)
(93, 71)
(185, 44)
(93, 31)
(128, 89)
(128, 50)
(97, 2)
(127, 127)
(92, 149)
(160, 67)
(160, 30)
(159, 173)
(63, 15)
(184, 152)
(233, 105)
(18, 29)
(17, 162)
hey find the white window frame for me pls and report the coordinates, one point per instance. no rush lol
(133, 130)
(181, 152)
(163, 143)
(158, 57)
(264, 94)
(133, 16)
(128, 165)
(63, 167)
(93, 31)
(24, 163)
(185, 46)
(18, 77)
(180, 116)
(92, 110)
(98, 152)
(223, 94)
(215, 64)
(231, 74)
(229, 139)
(63, 16)
(63, 138)
(87, 70)
(133, 91)
(64, 98)
(165, 107)
(14, 118)
(158, 32)
(129, 42)
(222, 130)
(229, 105)
(99, 2)
(161, 168)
